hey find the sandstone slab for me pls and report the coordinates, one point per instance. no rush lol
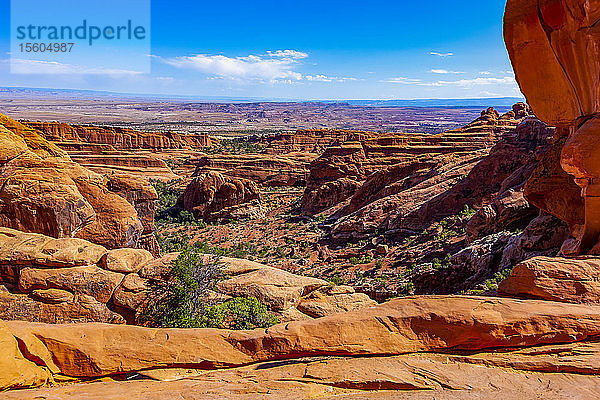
(556, 279)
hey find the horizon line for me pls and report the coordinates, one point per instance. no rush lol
(252, 99)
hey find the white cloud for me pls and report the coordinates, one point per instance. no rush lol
(402, 80)
(487, 93)
(445, 71)
(293, 54)
(25, 66)
(325, 78)
(275, 66)
(435, 53)
(507, 80)
(485, 73)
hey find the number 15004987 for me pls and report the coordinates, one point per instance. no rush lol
(46, 47)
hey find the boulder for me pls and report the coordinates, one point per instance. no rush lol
(126, 260)
(52, 296)
(557, 279)
(415, 324)
(94, 350)
(133, 294)
(160, 268)
(55, 306)
(117, 224)
(90, 280)
(434, 323)
(278, 289)
(142, 196)
(38, 195)
(213, 197)
(30, 249)
(332, 300)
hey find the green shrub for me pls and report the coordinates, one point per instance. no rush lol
(183, 301)
(406, 289)
(238, 313)
(363, 260)
(441, 264)
(167, 194)
(337, 280)
(492, 284)
(467, 212)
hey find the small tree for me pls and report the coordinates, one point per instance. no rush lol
(180, 302)
(183, 301)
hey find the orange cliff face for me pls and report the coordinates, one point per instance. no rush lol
(114, 150)
(78, 136)
(43, 191)
(555, 51)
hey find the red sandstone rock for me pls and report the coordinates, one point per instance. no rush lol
(119, 138)
(426, 324)
(263, 169)
(532, 35)
(561, 86)
(413, 194)
(142, 196)
(213, 197)
(557, 279)
(416, 377)
(16, 370)
(401, 326)
(43, 191)
(387, 165)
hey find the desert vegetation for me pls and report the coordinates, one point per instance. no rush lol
(185, 300)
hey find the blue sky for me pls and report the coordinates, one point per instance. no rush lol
(309, 50)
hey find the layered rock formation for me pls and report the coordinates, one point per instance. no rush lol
(350, 347)
(310, 140)
(71, 280)
(44, 191)
(388, 160)
(215, 197)
(263, 169)
(406, 183)
(109, 150)
(81, 137)
(141, 164)
(560, 38)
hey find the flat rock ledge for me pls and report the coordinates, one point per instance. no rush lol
(446, 346)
